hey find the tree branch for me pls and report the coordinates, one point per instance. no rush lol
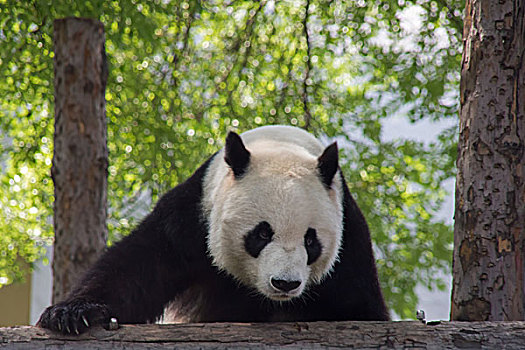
(238, 44)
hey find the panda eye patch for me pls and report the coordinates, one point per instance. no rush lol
(258, 238)
(312, 245)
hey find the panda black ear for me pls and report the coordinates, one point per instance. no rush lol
(236, 155)
(328, 163)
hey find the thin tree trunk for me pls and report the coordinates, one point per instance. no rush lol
(489, 232)
(80, 157)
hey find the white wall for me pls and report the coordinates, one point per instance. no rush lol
(41, 287)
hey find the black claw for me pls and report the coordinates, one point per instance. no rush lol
(64, 325)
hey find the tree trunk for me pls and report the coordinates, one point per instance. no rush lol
(80, 157)
(292, 335)
(489, 232)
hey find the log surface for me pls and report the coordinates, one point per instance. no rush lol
(299, 335)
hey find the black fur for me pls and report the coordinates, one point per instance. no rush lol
(328, 164)
(165, 261)
(236, 155)
(312, 245)
(258, 238)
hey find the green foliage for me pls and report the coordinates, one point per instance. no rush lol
(183, 73)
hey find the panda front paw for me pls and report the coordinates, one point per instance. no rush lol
(74, 316)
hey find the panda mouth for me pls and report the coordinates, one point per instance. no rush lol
(283, 296)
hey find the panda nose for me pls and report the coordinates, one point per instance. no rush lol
(283, 285)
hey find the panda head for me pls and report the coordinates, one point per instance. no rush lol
(275, 214)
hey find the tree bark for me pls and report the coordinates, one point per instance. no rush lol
(313, 335)
(489, 232)
(80, 157)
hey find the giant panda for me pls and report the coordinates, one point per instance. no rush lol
(265, 230)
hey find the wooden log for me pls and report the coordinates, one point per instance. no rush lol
(293, 335)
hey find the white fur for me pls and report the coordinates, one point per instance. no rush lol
(281, 186)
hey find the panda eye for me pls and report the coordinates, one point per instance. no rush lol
(308, 241)
(263, 234)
